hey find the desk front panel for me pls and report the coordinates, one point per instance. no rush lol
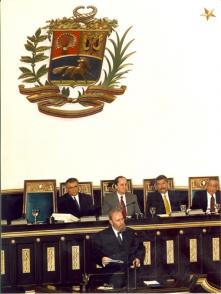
(62, 253)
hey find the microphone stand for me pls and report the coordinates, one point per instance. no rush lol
(135, 278)
(128, 273)
(129, 204)
(128, 277)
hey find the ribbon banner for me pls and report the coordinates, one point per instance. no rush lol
(49, 96)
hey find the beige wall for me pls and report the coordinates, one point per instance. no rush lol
(167, 122)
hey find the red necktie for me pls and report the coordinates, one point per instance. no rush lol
(212, 204)
(123, 207)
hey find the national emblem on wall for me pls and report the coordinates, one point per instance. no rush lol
(77, 55)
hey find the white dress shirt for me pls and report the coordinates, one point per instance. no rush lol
(116, 233)
(77, 199)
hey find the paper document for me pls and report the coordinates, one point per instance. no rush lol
(88, 219)
(115, 261)
(149, 283)
(19, 221)
(66, 217)
(195, 212)
(178, 213)
(103, 218)
(163, 215)
(3, 222)
(105, 287)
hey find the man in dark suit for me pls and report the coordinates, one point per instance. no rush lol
(74, 202)
(164, 200)
(120, 244)
(207, 199)
(121, 198)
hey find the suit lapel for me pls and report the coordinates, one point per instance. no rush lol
(128, 200)
(218, 197)
(81, 201)
(171, 197)
(161, 204)
(114, 238)
(76, 206)
(205, 201)
(116, 200)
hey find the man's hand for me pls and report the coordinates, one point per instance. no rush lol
(135, 263)
(105, 260)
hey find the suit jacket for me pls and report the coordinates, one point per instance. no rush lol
(111, 201)
(200, 199)
(105, 243)
(154, 199)
(68, 205)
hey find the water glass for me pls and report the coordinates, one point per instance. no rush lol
(183, 208)
(217, 207)
(35, 212)
(152, 211)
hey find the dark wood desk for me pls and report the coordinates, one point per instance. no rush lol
(60, 254)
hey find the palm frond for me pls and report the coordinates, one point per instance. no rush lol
(115, 58)
(128, 55)
(126, 47)
(108, 63)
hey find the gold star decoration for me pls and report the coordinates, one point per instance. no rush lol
(208, 13)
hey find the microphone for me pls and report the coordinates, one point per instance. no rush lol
(136, 215)
(129, 204)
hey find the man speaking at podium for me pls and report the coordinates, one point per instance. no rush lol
(116, 248)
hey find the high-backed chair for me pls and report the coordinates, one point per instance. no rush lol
(196, 184)
(107, 186)
(149, 185)
(85, 187)
(41, 195)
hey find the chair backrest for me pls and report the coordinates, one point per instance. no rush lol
(85, 187)
(39, 194)
(149, 185)
(107, 186)
(196, 184)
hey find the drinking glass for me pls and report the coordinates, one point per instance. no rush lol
(183, 208)
(152, 211)
(141, 215)
(217, 206)
(35, 212)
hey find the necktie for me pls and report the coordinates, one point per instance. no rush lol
(76, 203)
(119, 237)
(123, 207)
(166, 204)
(212, 204)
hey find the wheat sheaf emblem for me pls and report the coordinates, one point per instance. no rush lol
(82, 59)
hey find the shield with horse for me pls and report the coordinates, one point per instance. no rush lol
(77, 50)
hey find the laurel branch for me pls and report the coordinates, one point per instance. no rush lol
(33, 75)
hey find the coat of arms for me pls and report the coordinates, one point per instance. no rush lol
(77, 53)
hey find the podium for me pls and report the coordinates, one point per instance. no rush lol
(59, 254)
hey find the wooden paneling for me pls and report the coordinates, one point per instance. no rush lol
(61, 253)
